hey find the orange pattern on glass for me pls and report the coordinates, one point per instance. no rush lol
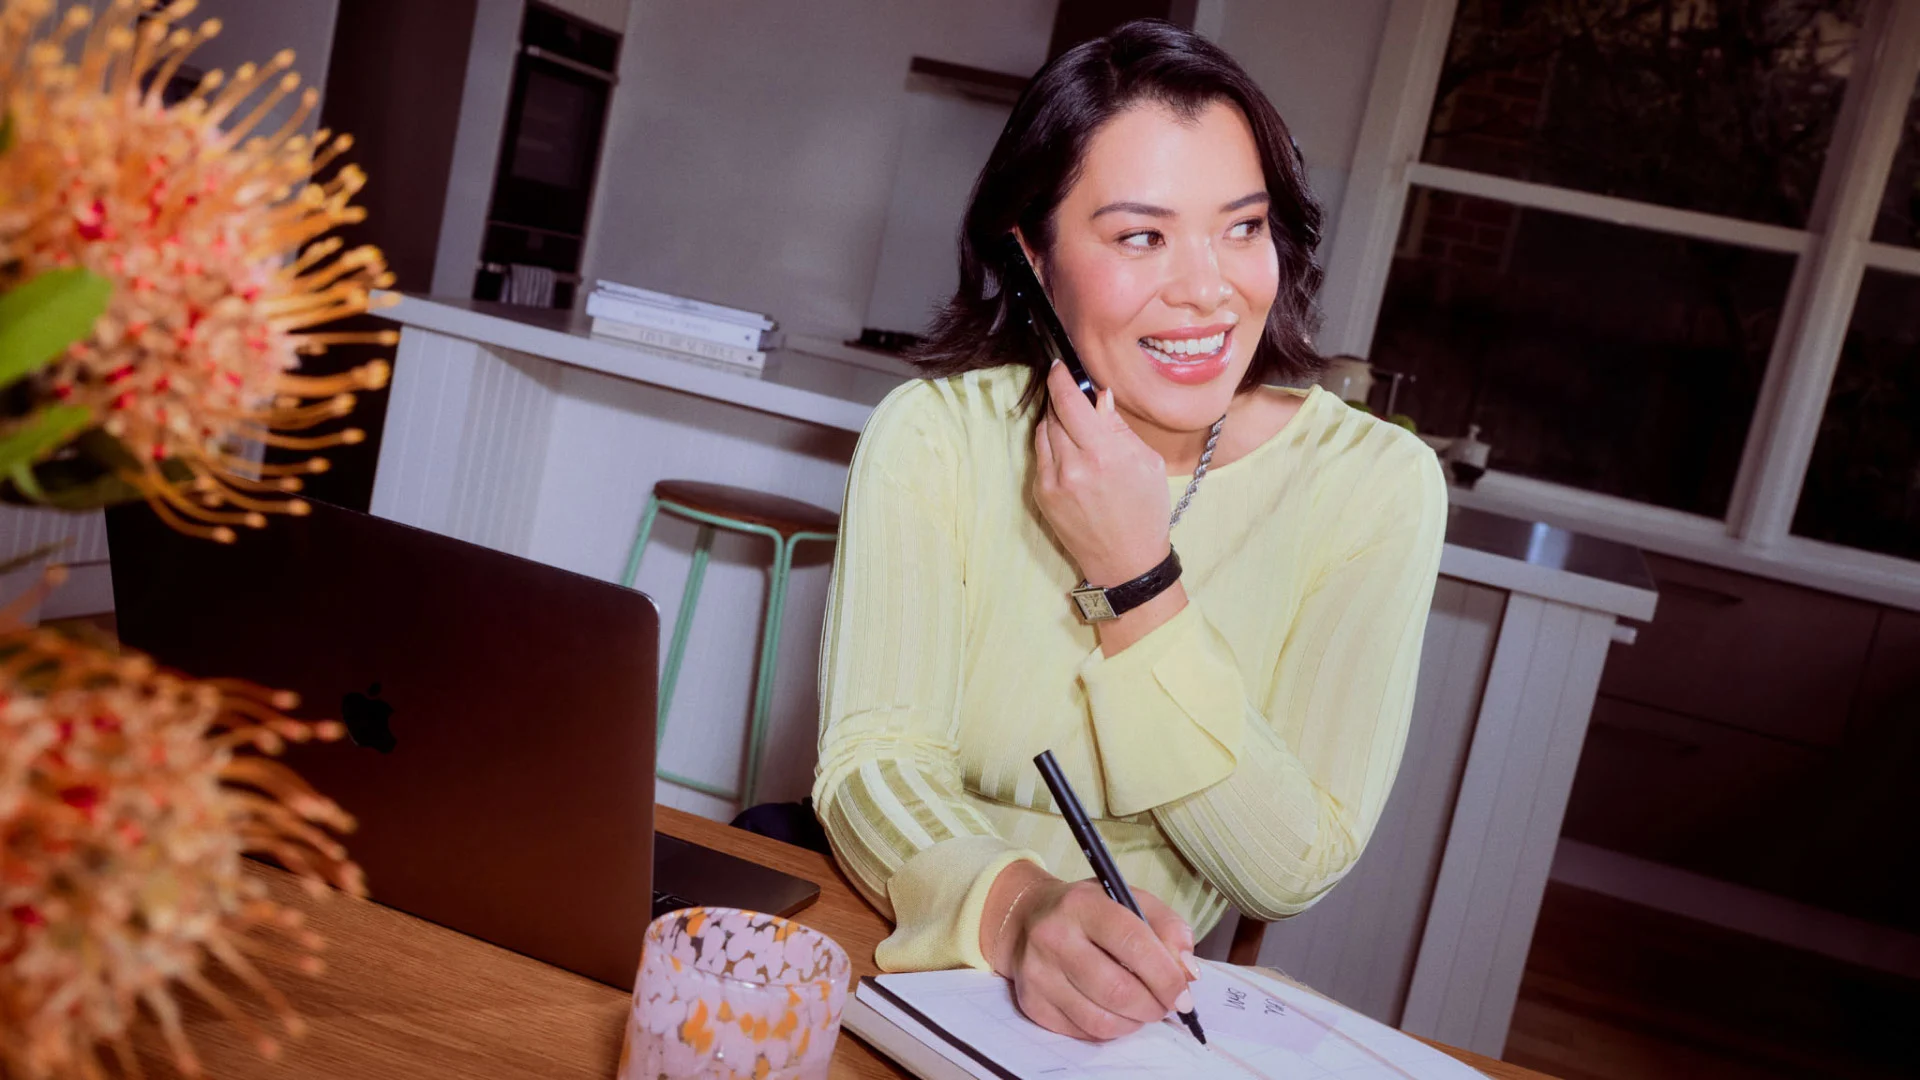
(735, 995)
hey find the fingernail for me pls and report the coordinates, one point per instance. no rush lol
(1192, 964)
(1183, 1003)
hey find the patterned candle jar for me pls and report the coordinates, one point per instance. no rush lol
(734, 995)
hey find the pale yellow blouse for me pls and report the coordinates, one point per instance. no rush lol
(1239, 753)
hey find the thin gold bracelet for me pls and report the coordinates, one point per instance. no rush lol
(1004, 919)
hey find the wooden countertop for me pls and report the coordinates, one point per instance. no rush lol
(406, 999)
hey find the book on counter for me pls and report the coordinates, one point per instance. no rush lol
(964, 1025)
(692, 322)
(747, 371)
(681, 343)
(685, 304)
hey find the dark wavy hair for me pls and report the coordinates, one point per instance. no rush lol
(1038, 159)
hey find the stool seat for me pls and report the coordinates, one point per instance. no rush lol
(777, 512)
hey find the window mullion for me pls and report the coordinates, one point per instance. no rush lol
(1820, 302)
(1893, 257)
(1714, 228)
(1406, 75)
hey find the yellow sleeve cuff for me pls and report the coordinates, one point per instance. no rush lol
(938, 898)
(1169, 712)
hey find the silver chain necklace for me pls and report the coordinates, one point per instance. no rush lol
(1199, 472)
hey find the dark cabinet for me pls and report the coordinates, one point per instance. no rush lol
(1763, 734)
(1759, 655)
(1683, 791)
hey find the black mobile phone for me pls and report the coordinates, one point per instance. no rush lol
(1020, 280)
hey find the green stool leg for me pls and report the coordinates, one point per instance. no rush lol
(640, 540)
(701, 786)
(770, 657)
(769, 662)
(682, 626)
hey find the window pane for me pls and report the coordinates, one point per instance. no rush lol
(1722, 106)
(1899, 220)
(1595, 355)
(1863, 487)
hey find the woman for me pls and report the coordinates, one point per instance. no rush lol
(1236, 732)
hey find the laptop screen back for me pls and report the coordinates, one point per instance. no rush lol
(501, 710)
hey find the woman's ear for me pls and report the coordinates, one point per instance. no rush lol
(1033, 259)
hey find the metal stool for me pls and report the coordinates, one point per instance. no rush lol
(787, 522)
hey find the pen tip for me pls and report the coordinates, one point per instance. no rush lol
(1193, 1024)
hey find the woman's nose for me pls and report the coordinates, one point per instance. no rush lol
(1196, 281)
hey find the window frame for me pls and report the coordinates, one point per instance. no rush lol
(1832, 253)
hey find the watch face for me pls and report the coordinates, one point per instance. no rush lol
(1093, 605)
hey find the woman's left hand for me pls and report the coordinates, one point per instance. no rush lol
(1102, 490)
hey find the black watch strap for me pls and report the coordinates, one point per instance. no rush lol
(1098, 605)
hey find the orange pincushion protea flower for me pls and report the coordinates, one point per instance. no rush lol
(127, 797)
(210, 235)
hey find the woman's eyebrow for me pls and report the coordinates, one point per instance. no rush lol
(1149, 210)
(1134, 208)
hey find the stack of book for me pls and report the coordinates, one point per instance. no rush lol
(687, 329)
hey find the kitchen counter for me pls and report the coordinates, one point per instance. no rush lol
(800, 385)
(1547, 561)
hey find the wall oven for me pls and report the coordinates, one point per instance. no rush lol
(563, 82)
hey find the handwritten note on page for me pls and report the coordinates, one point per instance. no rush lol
(1256, 1027)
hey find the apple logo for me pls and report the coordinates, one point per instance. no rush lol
(366, 719)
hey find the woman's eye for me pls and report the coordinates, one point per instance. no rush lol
(1142, 240)
(1247, 230)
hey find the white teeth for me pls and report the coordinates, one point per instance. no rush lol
(1171, 347)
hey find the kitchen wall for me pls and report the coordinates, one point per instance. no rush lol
(751, 148)
(1315, 61)
(255, 31)
(753, 144)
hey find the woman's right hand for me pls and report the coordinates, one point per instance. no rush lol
(1081, 964)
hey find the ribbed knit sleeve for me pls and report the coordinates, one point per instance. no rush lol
(888, 788)
(1271, 792)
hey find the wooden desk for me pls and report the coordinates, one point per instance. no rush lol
(405, 999)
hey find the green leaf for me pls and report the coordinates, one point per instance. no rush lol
(51, 429)
(42, 316)
(109, 452)
(60, 490)
(27, 483)
(85, 478)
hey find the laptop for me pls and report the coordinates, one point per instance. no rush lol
(501, 717)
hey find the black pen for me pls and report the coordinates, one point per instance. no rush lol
(1097, 855)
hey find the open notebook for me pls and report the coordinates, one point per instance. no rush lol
(956, 1025)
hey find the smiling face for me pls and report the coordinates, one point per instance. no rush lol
(1162, 267)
